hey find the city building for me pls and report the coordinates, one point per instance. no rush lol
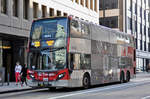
(16, 17)
(132, 17)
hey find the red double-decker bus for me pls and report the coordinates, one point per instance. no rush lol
(68, 52)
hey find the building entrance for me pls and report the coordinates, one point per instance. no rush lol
(11, 51)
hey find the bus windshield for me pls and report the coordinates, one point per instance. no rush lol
(48, 41)
(46, 60)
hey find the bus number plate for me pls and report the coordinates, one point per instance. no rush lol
(45, 79)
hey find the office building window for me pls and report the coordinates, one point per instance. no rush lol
(44, 11)
(95, 7)
(35, 10)
(130, 5)
(144, 30)
(15, 8)
(148, 32)
(135, 26)
(141, 11)
(87, 3)
(141, 44)
(82, 2)
(58, 13)
(136, 42)
(65, 14)
(4, 6)
(91, 4)
(51, 12)
(140, 28)
(144, 14)
(25, 8)
(149, 47)
(111, 22)
(129, 23)
(108, 4)
(144, 45)
(135, 8)
(77, 1)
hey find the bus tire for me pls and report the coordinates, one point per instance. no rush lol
(86, 81)
(128, 76)
(52, 88)
(122, 77)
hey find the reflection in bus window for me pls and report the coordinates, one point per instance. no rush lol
(37, 32)
(85, 61)
(77, 61)
(61, 42)
(60, 31)
(75, 29)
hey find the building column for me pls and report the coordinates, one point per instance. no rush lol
(20, 10)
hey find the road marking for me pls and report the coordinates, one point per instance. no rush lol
(98, 89)
(146, 97)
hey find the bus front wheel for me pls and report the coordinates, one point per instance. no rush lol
(86, 81)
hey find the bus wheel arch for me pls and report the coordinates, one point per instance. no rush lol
(122, 77)
(127, 76)
(86, 82)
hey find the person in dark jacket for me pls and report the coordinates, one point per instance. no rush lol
(24, 74)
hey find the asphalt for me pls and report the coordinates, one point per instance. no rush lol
(12, 87)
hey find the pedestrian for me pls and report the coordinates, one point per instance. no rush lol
(18, 69)
(24, 74)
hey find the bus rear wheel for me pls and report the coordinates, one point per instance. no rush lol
(128, 76)
(86, 81)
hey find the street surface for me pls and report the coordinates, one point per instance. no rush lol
(135, 89)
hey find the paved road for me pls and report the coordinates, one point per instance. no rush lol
(137, 89)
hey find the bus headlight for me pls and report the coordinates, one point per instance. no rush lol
(60, 76)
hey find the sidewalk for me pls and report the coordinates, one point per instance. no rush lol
(12, 87)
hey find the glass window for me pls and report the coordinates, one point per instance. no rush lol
(15, 8)
(35, 10)
(4, 6)
(44, 11)
(79, 29)
(46, 60)
(58, 13)
(85, 61)
(25, 8)
(48, 29)
(51, 13)
(77, 61)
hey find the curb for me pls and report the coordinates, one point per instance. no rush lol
(17, 90)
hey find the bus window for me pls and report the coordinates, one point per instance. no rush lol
(71, 61)
(75, 29)
(85, 61)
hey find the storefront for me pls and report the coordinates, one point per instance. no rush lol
(12, 49)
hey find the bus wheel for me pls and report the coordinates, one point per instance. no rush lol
(122, 77)
(128, 76)
(86, 81)
(52, 88)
